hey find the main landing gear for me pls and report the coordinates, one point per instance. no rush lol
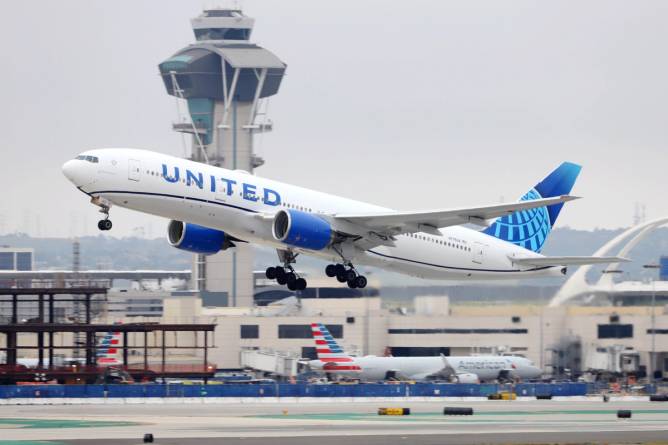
(286, 275)
(345, 274)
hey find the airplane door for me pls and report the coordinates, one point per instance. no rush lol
(478, 252)
(134, 170)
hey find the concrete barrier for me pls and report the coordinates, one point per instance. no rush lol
(394, 411)
(624, 414)
(457, 411)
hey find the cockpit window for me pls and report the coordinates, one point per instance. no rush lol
(93, 159)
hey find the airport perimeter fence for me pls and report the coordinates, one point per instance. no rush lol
(289, 390)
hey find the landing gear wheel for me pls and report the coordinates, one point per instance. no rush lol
(352, 284)
(350, 275)
(285, 274)
(300, 284)
(104, 224)
(341, 278)
(360, 282)
(340, 269)
(330, 270)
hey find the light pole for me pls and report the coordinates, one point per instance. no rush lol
(612, 282)
(653, 319)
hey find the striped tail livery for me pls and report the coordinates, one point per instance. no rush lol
(330, 353)
(107, 350)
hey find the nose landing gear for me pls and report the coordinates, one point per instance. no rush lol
(104, 205)
(104, 224)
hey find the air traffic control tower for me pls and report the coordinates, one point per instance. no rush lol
(225, 81)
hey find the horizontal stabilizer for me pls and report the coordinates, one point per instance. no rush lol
(567, 260)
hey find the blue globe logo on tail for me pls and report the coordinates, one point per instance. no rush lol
(530, 228)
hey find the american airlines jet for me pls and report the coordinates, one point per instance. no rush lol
(333, 360)
(106, 354)
(212, 209)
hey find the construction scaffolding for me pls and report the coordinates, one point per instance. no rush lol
(83, 366)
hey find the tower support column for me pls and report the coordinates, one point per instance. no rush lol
(224, 78)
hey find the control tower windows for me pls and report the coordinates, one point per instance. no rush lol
(222, 34)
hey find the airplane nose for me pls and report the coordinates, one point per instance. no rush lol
(78, 173)
(68, 170)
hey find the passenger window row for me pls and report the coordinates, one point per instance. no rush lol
(439, 241)
(296, 207)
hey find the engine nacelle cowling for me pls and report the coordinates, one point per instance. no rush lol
(302, 229)
(196, 239)
(467, 377)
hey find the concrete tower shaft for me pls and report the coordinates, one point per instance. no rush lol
(224, 78)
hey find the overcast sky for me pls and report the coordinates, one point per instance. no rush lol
(411, 105)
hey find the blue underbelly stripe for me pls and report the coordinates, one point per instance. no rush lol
(457, 268)
(166, 195)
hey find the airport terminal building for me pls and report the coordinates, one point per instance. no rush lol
(562, 341)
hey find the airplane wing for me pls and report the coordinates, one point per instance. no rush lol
(567, 260)
(394, 223)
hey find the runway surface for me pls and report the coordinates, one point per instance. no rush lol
(336, 423)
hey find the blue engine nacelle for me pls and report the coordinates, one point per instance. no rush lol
(301, 229)
(197, 239)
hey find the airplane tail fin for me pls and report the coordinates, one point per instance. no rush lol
(530, 228)
(330, 353)
(107, 351)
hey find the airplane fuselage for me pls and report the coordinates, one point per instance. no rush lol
(486, 368)
(242, 205)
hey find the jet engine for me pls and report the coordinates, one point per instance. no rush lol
(467, 377)
(197, 239)
(302, 229)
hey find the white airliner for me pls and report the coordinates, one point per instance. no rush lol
(333, 360)
(106, 354)
(212, 208)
